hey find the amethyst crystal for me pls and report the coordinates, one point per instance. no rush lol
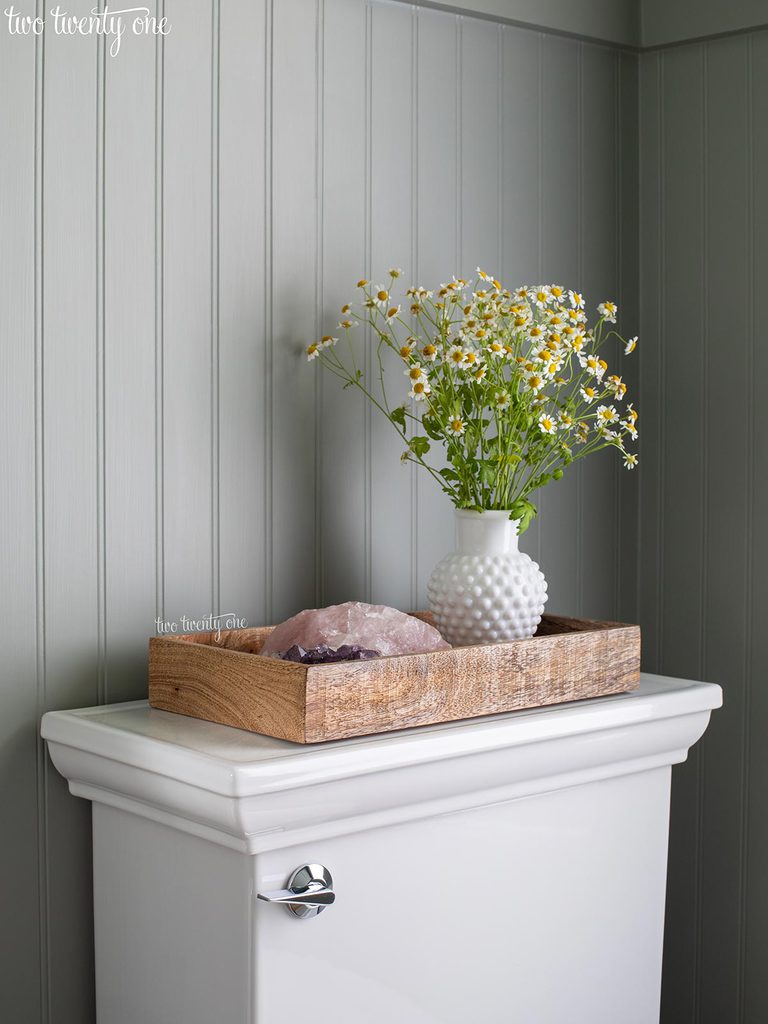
(323, 653)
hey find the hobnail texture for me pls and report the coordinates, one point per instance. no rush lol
(485, 598)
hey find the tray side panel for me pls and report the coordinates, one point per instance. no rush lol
(229, 687)
(355, 699)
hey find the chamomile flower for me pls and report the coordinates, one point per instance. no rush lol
(480, 371)
(556, 291)
(456, 427)
(501, 400)
(590, 364)
(391, 313)
(534, 382)
(535, 332)
(327, 341)
(407, 349)
(414, 373)
(588, 394)
(482, 274)
(380, 296)
(611, 436)
(347, 324)
(521, 294)
(630, 428)
(630, 346)
(606, 414)
(630, 460)
(313, 351)
(455, 355)
(608, 310)
(616, 386)
(547, 424)
(577, 300)
(582, 432)
(496, 349)
(362, 283)
(420, 390)
(540, 296)
(430, 353)
(566, 420)
(472, 359)
(346, 309)
(631, 412)
(394, 272)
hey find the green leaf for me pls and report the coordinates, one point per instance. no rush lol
(419, 446)
(487, 473)
(525, 511)
(449, 474)
(430, 427)
(398, 416)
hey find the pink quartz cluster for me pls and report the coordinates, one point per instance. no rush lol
(375, 627)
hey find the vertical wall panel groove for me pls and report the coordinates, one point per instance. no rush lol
(754, 922)
(752, 471)
(269, 358)
(159, 264)
(318, 283)
(215, 320)
(40, 602)
(99, 364)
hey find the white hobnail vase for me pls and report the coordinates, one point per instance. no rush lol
(487, 590)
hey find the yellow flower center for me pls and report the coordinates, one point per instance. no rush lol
(362, 283)
(429, 350)
(392, 312)
(418, 388)
(382, 296)
(415, 373)
(405, 351)
(312, 348)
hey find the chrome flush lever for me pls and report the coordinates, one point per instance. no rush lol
(309, 892)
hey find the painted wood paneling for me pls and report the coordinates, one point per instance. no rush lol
(72, 413)
(184, 218)
(22, 767)
(561, 128)
(240, 190)
(702, 558)
(127, 343)
(437, 253)
(188, 343)
(295, 134)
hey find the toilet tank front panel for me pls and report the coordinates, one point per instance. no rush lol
(542, 910)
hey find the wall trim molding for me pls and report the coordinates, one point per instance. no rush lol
(623, 25)
(609, 22)
(662, 24)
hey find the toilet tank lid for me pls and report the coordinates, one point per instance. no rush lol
(235, 763)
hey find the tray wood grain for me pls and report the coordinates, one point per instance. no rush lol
(229, 682)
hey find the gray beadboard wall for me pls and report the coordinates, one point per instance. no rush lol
(704, 502)
(177, 222)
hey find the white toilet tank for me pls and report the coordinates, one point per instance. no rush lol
(507, 869)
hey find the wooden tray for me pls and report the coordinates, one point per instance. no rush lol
(230, 683)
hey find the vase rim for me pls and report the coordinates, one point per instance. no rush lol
(487, 513)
